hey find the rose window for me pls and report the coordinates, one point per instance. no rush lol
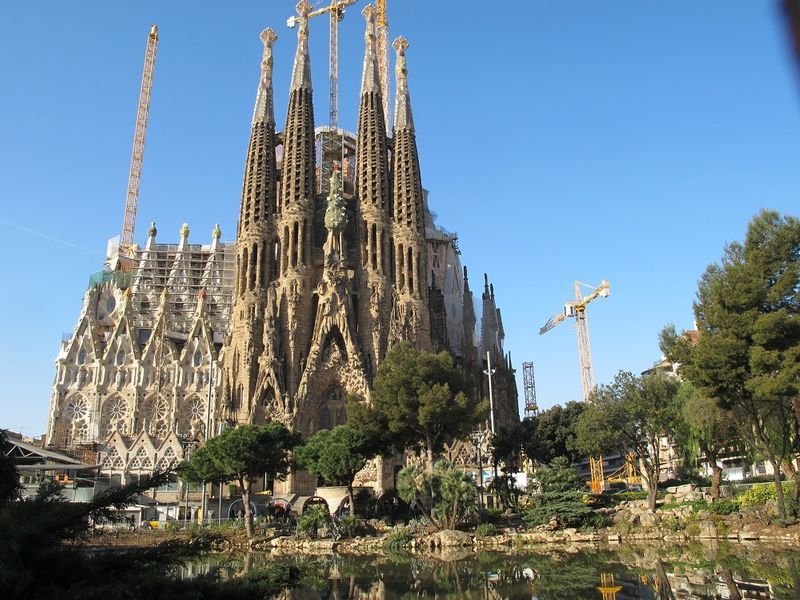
(118, 409)
(197, 410)
(77, 409)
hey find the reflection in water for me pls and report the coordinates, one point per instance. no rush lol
(724, 572)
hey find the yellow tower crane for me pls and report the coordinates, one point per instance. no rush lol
(135, 176)
(577, 310)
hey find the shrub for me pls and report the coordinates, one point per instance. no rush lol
(560, 497)
(491, 515)
(486, 530)
(597, 521)
(630, 496)
(399, 538)
(724, 506)
(757, 495)
(313, 520)
(348, 526)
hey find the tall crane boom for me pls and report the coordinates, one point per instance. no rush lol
(135, 176)
(335, 11)
(332, 143)
(577, 310)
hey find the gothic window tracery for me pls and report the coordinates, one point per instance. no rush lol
(153, 417)
(114, 460)
(191, 421)
(75, 421)
(113, 417)
(141, 461)
(168, 460)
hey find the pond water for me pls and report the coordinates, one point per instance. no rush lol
(721, 571)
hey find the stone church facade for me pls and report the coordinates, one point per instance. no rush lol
(330, 269)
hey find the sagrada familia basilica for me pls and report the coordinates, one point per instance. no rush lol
(331, 267)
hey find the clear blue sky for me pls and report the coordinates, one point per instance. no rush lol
(587, 140)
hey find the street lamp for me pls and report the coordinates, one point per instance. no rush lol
(477, 438)
(489, 371)
(207, 427)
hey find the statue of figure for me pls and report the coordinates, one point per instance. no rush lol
(335, 218)
(375, 301)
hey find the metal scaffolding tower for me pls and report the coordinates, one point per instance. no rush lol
(529, 384)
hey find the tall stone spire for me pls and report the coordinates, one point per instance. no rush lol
(372, 167)
(373, 216)
(409, 242)
(298, 145)
(294, 245)
(402, 106)
(301, 72)
(264, 111)
(255, 261)
(370, 78)
(407, 179)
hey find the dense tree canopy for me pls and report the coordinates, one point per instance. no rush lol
(747, 355)
(242, 454)
(708, 430)
(551, 433)
(420, 400)
(632, 414)
(336, 455)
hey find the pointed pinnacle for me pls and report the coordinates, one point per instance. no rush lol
(370, 81)
(301, 73)
(403, 118)
(264, 111)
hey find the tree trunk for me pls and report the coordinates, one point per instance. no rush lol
(792, 472)
(652, 495)
(716, 474)
(248, 511)
(733, 591)
(350, 499)
(650, 471)
(454, 516)
(429, 453)
(776, 470)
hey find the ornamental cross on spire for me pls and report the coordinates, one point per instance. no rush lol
(370, 79)
(301, 74)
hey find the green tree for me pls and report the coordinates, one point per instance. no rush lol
(551, 433)
(632, 414)
(558, 493)
(420, 399)
(709, 429)
(9, 478)
(242, 454)
(336, 455)
(447, 493)
(747, 355)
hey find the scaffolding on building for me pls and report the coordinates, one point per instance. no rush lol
(529, 385)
